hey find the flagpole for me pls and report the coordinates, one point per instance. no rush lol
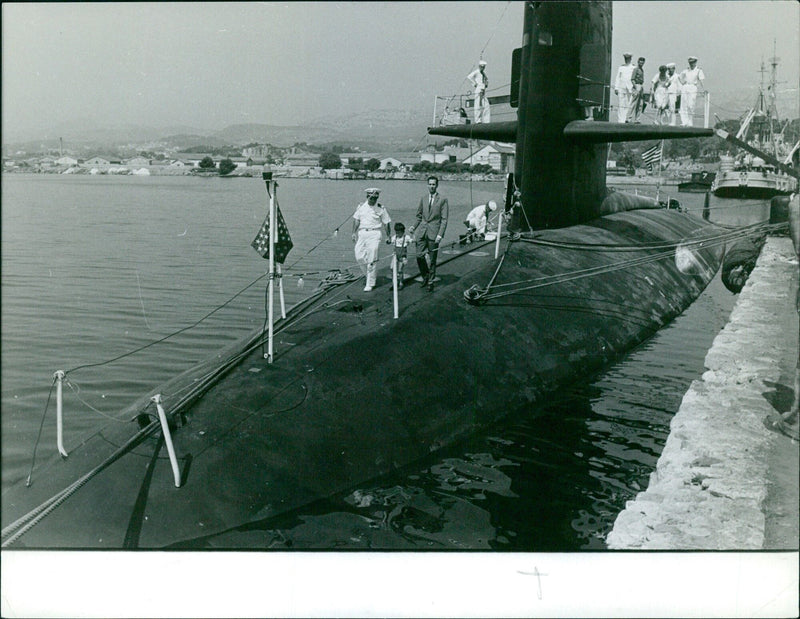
(280, 269)
(267, 176)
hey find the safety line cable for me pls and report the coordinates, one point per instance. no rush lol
(39, 435)
(609, 247)
(166, 337)
(557, 278)
(579, 274)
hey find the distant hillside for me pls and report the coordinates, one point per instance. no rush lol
(88, 130)
(381, 126)
(384, 128)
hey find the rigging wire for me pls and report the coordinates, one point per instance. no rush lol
(166, 337)
(582, 273)
(39, 435)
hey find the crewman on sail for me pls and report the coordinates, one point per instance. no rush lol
(481, 84)
(659, 94)
(673, 90)
(623, 88)
(689, 79)
(637, 91)
(369, 218)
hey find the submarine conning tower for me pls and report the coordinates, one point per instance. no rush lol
(566, 61)
(562, 129)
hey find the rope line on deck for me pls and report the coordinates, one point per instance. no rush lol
(520, 285)
(22, 525)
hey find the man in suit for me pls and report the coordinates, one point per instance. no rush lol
(428, 230)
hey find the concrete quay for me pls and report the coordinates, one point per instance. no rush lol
(727, 478)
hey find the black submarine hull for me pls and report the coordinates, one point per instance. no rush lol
(354, 394)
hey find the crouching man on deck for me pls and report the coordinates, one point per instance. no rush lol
(477, 222)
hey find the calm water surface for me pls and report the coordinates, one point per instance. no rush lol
(96, 266)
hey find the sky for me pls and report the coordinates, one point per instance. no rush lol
(210, 65)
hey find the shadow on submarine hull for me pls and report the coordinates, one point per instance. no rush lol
(353, 394)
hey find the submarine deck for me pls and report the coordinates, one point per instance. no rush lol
(351, 394)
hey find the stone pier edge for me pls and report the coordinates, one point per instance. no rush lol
(710, 484)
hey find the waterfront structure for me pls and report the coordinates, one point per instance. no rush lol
(66, 160)
(499, 156)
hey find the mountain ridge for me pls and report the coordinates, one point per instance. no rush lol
(390, 127)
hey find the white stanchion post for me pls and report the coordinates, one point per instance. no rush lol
(499, 232)
(280, 291)
(707, 108)
(173, 460)
(394, 286)
(59, 376)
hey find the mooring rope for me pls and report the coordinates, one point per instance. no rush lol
(478, 295)
(28, 521)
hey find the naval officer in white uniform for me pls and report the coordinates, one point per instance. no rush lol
(369, 218)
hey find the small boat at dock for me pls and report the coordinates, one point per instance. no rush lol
(700, 183)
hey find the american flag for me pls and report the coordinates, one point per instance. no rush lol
(283, 244)
(652, 155)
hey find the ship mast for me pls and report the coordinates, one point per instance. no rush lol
(772, 115)
(766, 109)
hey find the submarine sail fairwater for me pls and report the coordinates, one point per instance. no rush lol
(584, 276)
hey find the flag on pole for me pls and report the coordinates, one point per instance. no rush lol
(652, 155)
(283, 244)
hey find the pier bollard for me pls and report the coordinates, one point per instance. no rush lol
(59, 376)
(173, 460)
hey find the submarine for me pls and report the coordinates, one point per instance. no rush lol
(353, 394)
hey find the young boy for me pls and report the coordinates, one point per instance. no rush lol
(400, 242)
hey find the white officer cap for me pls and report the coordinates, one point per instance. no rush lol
(492, 205)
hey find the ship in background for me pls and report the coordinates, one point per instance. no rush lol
(747, 175)
(351, 394)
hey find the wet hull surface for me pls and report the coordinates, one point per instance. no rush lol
(354, 394)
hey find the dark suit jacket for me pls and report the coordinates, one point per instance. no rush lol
(431, 220)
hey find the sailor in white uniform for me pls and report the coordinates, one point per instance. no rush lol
(481, 83)
(477, 218)
(673, 90)
(689, 79)
(369, 218)
(623, 88)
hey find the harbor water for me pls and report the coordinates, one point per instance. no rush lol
(94, 267)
